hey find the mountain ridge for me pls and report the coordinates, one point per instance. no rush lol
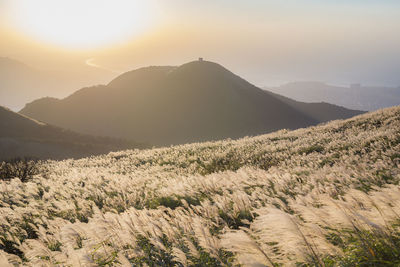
(356, 96)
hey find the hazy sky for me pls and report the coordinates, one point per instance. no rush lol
(265, 41)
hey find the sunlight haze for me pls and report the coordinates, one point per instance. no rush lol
(268, 42)
(80, 24)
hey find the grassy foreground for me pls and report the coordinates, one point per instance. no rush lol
(322, 196)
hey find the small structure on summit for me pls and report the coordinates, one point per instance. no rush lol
(200, 59)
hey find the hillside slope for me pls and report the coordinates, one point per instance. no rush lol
(21, 136)
(321, 196)
(198, 101)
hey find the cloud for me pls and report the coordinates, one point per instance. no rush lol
(90, 62)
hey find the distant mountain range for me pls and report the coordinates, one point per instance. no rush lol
(354, 97)
(197, 101)
(21, 136)
(20, 83)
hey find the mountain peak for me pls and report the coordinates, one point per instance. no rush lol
(202, 65)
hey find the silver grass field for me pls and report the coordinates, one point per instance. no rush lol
(327, 195)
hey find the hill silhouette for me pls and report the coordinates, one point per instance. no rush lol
(21, 136)
(197, 101)
(355, 97)
(320, 111)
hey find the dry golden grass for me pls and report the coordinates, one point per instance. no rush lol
(318, 196)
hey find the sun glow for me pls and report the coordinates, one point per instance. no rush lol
(82, 24)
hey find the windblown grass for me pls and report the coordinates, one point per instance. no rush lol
(323, 196)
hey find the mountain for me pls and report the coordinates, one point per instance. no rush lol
(319, 111)
(197, 101)
(20, 83)
(353, 97)
(21, 136)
